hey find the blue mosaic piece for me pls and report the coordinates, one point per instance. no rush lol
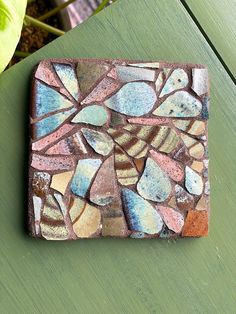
(68, 78)
(140, 213)
(154, 183)
(134, 99)
(84, 173)
(51, 123)
(48, 100)
(94, 115)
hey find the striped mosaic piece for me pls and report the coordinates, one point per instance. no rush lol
(118, 149)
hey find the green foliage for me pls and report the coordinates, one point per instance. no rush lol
(11, 19)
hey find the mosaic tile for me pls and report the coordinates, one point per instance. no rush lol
(100, 142)
(134, 99)
(193, 181)
(84, 173)
(180, 104)
(104, 89)
(104, 194)
(94, 115)
(89, 73)
(142, 216)
(49, 124)
(177, 80)
(48, 100)
(154, 183)
(130, 74)
(67, 75)
(173, 219)
(126, 172)
(70, 145)
(118, 149)
(200, 81)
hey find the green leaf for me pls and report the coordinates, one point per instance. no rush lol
(11, 19)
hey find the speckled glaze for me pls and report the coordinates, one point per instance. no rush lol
(118, 149)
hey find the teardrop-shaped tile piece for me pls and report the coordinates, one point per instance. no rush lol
(180, 104)
(154, 183)
(140, 214)
(134, 99)
(193, 181)
(68, 78)
(84, 173)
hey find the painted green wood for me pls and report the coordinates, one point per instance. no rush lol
(120, 276)
(218, 19)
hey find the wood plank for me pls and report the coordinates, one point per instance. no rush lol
(120, 276)
(218, 20)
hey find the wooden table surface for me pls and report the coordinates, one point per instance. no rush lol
(127, 276)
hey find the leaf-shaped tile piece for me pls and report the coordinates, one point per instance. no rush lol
(68, 78)
(180, 104)
(51, 123)
(99, 141)
(154, 183)
(125, 170)
(48, 100)
(94, 115)
(170, 166)
(84, 173)
(134, 99)
(193, 181)
(177, 80)
(140, 213)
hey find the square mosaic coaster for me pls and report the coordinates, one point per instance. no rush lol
(118, 148)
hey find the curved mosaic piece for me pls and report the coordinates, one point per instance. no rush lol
(118, 149)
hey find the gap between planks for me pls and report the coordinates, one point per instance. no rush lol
(193, 17)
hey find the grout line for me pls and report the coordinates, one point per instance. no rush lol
(187, 8)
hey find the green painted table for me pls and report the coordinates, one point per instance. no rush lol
(121, 276)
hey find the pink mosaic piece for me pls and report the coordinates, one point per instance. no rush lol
(118, 149)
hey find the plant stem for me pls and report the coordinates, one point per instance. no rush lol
(55, 10)
(32, 21)
(101, 6)
(21, 54)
